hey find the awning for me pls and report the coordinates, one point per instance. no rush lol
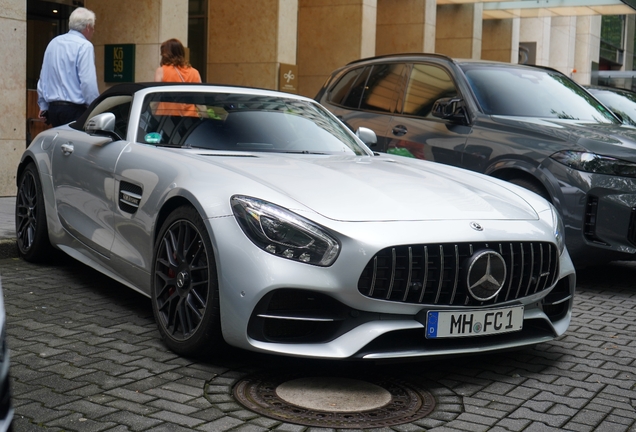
(549, 8)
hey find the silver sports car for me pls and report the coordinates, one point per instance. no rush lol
(258, 219)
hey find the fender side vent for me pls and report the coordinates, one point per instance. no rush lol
(129, 197)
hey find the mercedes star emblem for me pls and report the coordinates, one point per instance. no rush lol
(486, 275)
(182, 277)
(476, 226)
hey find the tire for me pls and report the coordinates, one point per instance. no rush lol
(30, 218)
(532, 187)
(184, 291)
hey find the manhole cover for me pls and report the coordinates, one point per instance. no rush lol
(334, 401)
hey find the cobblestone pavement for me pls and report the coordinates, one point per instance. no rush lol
(86, 356)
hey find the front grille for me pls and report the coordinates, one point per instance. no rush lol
(436, 273)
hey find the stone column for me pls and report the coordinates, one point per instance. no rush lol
(630, 29)
(405, 26)
(537, 30)
(13, 33)
(500, 40)
(332, 33)
(588, 46)
(145, 23)
(562, 44)
(459, 30)
(247, 41)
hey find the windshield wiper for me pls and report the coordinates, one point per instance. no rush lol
(304, 152)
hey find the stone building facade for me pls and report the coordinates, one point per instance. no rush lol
(248, 40)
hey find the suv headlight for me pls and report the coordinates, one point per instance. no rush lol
(595, 163)
(282, 233)
(559, 229)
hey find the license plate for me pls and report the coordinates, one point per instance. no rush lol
(449, 324)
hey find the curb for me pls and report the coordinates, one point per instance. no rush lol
(8, 248)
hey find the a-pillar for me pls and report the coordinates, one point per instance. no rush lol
(588, 45)
(563, 44)
(500, 40)
(332, 33)
(459, 30)
(144, 23)
(13, 33)
(537, 31)
(248, 40)
(405, 26)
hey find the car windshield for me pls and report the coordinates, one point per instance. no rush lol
(526, 92)
(624, 103)
(242, 122)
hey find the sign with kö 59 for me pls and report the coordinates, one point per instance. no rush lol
(119, 63)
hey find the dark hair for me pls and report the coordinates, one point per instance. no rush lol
(173, 53)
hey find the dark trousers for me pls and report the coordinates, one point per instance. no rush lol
(61, 114)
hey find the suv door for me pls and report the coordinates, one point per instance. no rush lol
(368, 96)
(414, 131)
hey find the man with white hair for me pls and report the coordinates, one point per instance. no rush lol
(68, 81)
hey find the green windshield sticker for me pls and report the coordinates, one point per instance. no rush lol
(153, 138)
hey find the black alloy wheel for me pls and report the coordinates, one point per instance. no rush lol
(30, 218)
(185, 297)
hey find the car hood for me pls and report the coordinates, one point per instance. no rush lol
(378, 188)
(605, 139)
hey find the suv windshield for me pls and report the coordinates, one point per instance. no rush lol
(526, 92)
(241, 122)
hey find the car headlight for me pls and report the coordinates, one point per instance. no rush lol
(282, 233)
(559, 229)
(595, 163)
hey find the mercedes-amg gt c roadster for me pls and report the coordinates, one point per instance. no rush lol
(257, 219)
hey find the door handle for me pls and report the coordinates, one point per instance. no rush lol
(399, 130)
(67, 148)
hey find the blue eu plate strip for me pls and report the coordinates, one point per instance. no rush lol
(431, 324)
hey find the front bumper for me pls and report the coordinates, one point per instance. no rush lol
(599, 213)
(325, 316)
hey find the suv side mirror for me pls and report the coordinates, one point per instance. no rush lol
(450, 109)
(102, 124)
(367, 136)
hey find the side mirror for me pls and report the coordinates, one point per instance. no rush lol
(367, 136)
(102, 124)
(450, 109)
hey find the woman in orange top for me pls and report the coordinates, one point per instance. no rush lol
(174, 67)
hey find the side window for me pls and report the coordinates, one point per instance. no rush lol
(357, 89)
(122, 114)
(338, 92)
(427, 84)
(381, 91)
(118, 105)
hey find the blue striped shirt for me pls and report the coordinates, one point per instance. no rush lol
(68, 71)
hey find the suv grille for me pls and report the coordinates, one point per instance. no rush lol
(436, 273)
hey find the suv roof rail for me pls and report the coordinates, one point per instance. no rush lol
(402, 55)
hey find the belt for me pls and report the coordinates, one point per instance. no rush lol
(65, 103)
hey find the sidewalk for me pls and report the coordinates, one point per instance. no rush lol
(7, 227)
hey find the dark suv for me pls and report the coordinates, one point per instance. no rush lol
(529, 125)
